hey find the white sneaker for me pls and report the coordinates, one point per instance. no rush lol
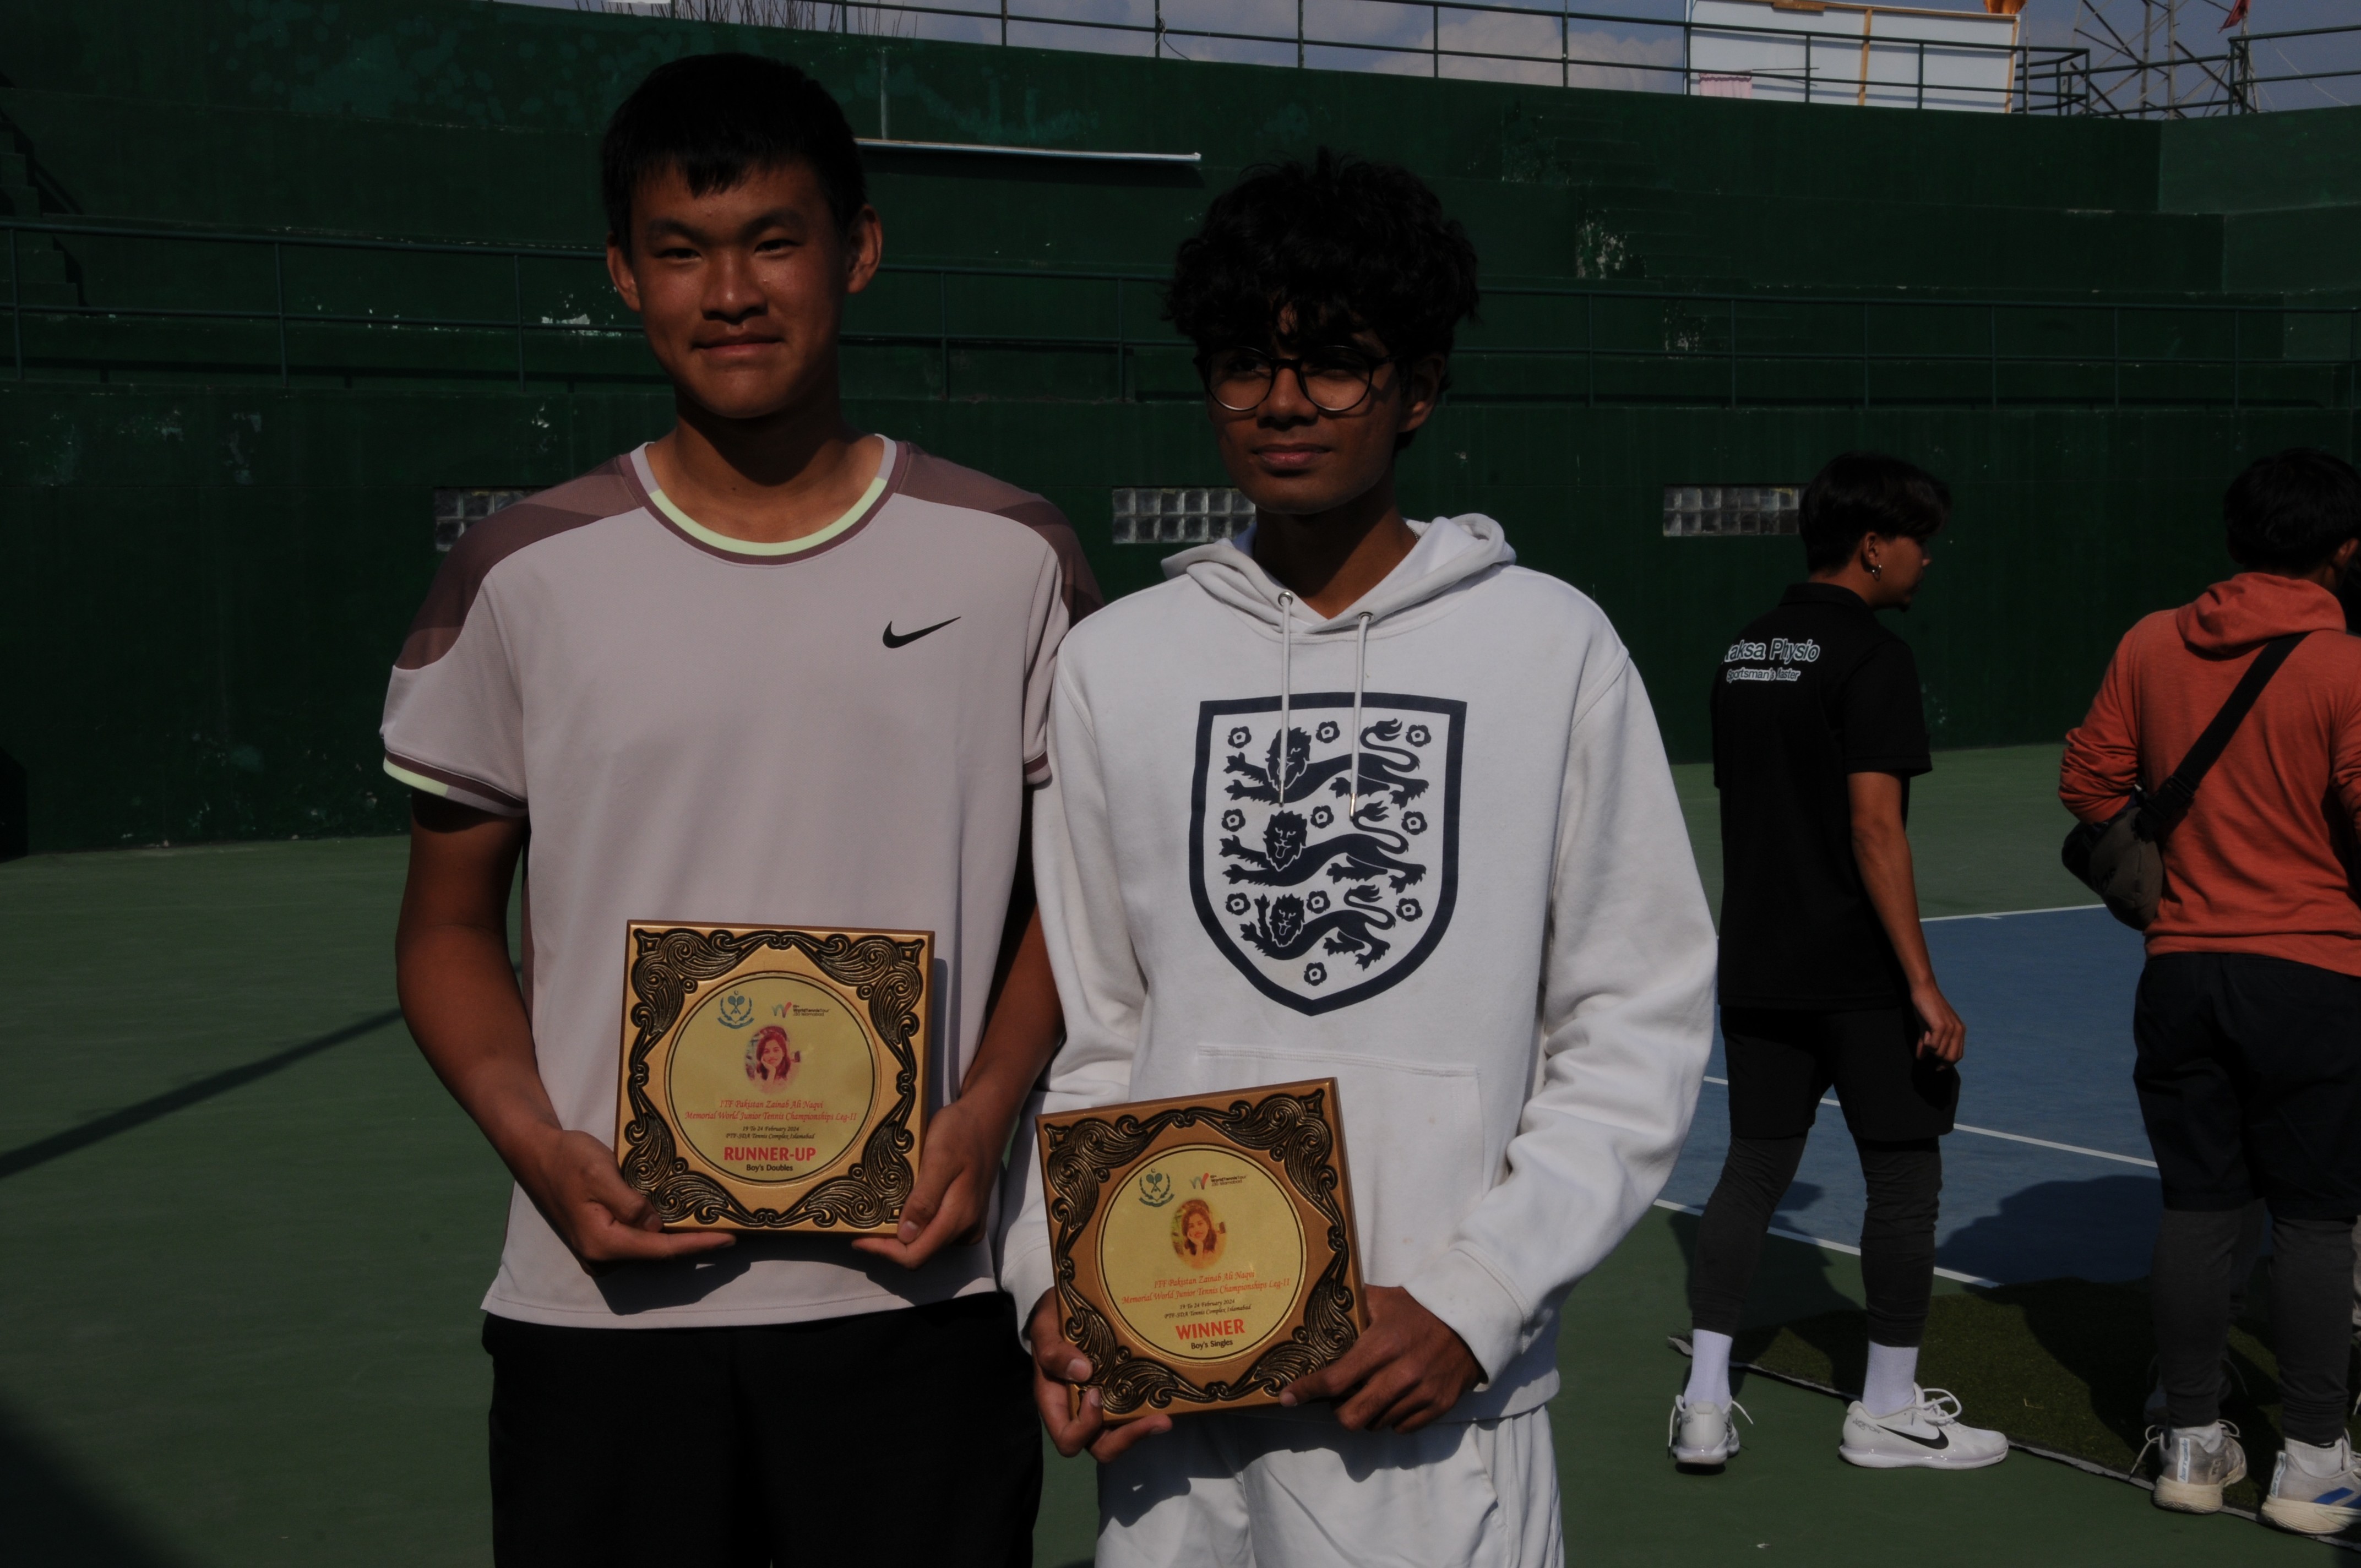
(1702, 1436)
(2315, 1505)
(1926, 1435)
(2189, 1476)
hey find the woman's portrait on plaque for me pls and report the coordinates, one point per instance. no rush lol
(771, 1059)
(1197, 1235)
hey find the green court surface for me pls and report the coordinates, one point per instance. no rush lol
(245, 1234)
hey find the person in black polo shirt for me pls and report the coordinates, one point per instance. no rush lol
(1817, 730)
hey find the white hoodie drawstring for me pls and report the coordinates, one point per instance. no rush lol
(1287, 698)
(1285, 647)
(1360, 677)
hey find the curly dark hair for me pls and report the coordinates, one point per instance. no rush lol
(1346, 245)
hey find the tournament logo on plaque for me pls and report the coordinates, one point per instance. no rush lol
(1203, 1247)
(773, 1079)
(1324, 891)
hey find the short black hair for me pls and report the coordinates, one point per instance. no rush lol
(1347, 245)
(716, 118)
(2289, 513)
(1861, 493)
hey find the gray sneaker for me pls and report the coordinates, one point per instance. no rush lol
(2189, 1476)
(1701, 1435)
(2316, 1505)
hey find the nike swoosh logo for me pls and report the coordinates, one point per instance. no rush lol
(901, 638)
(1940, 1440)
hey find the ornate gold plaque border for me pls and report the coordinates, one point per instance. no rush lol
(885, 972)
(1086, 1155)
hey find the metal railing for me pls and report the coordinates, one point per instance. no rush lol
(1571, 344)
(2243, 83)
(1991, 361)
(2254, 73)
(2041, 79)
(277, 245)
(2046, 79)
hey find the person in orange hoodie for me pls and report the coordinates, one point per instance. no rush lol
(2248, 1019)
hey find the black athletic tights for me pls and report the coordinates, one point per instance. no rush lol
(1897, 1234)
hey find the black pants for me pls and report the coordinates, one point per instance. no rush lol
(903, 1437)
(1897, 1104)
(1897, 1232)
(2250, 1080)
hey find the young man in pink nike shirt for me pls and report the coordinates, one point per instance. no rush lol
(764, 670)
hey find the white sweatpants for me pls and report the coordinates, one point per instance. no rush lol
(1238, 1490)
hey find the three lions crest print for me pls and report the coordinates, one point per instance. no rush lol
(1322, 896)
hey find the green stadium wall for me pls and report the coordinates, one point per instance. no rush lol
(206, 574)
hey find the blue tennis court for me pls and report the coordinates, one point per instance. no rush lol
(2047, 1174)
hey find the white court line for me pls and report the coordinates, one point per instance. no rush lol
(2044, 1143)
(2004, 914)
(2011, 1137)
(1994, 1131)
(1829, 1245)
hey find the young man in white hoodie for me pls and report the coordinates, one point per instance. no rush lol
(1358, 797)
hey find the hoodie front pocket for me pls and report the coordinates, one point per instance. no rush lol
(1413, 1143)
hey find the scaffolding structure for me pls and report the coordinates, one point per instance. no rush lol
(2164, 58)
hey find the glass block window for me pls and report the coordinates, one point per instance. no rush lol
(456, 509)
(1179, 515)
(1726, 511)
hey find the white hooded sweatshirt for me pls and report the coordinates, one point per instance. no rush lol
(1463, 890)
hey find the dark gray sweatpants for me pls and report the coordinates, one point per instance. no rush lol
(2249, 1080)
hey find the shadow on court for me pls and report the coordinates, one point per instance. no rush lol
(1793, 1287)
(48, 1515)
(2102, 1228)
(2103, 1335)
(98, 1129)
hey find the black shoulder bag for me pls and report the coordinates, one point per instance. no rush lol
(2121, 860)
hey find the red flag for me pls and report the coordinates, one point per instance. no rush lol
(2237, 14)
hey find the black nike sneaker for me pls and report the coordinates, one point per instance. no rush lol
(1924, 1435)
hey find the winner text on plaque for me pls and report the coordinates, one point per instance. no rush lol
(773, 1078)
(1203, 1246)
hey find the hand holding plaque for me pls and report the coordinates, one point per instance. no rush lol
(1203, 1248)
(773, 1079)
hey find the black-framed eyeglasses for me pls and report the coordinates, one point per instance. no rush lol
(1333, 381)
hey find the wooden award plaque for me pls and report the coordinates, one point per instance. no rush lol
(774, 1078)
(1203, 1247)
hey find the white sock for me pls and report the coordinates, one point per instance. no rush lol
(1708, 1369)
(2207, 1438)
(1892, 1381)
(2315, 1459)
